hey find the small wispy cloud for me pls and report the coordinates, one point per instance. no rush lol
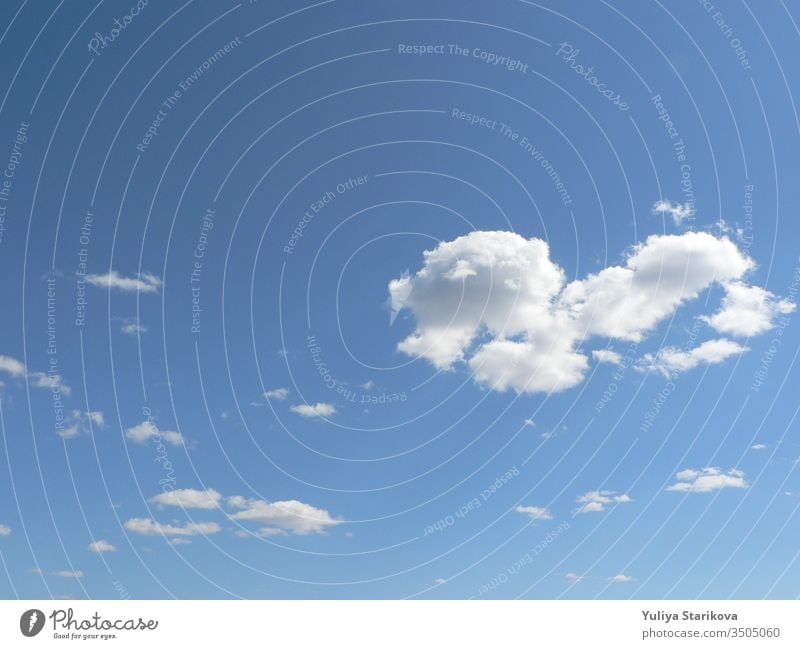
(142, 433)
(17, 369)
(669, 361)
(78, 422)
(315, 410)
(69, 574)
(282, 516)
(189, 498)
(277, 393)
(597, 501)
(100, 546)
(96, 417)
(708, 479)
(133, 328)
(148, 527)
(48, 381)
(679, 212)
(142, 282)
(621, 579)
(536, 513)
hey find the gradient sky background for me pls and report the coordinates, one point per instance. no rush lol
(396, 468)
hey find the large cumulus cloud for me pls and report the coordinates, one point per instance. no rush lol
(498, 302)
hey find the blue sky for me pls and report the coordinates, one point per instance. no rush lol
(388, 300)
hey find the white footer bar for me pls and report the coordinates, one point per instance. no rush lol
(390, 624)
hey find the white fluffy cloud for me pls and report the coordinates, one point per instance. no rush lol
(101, 546)
(606, 356)
(143, 283)
(5, 530)
(280, 517)
(149, 527)
(316, 410)
(660, 275)
(536, 513)
(496, 280)
(287, 515)
(708, 479)
(670, 361)
(142, 433)
(189, 498)
(748, 310)
(498, 302)
(547, 364)
(12, 366)
(574, 577)
(597, 501)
